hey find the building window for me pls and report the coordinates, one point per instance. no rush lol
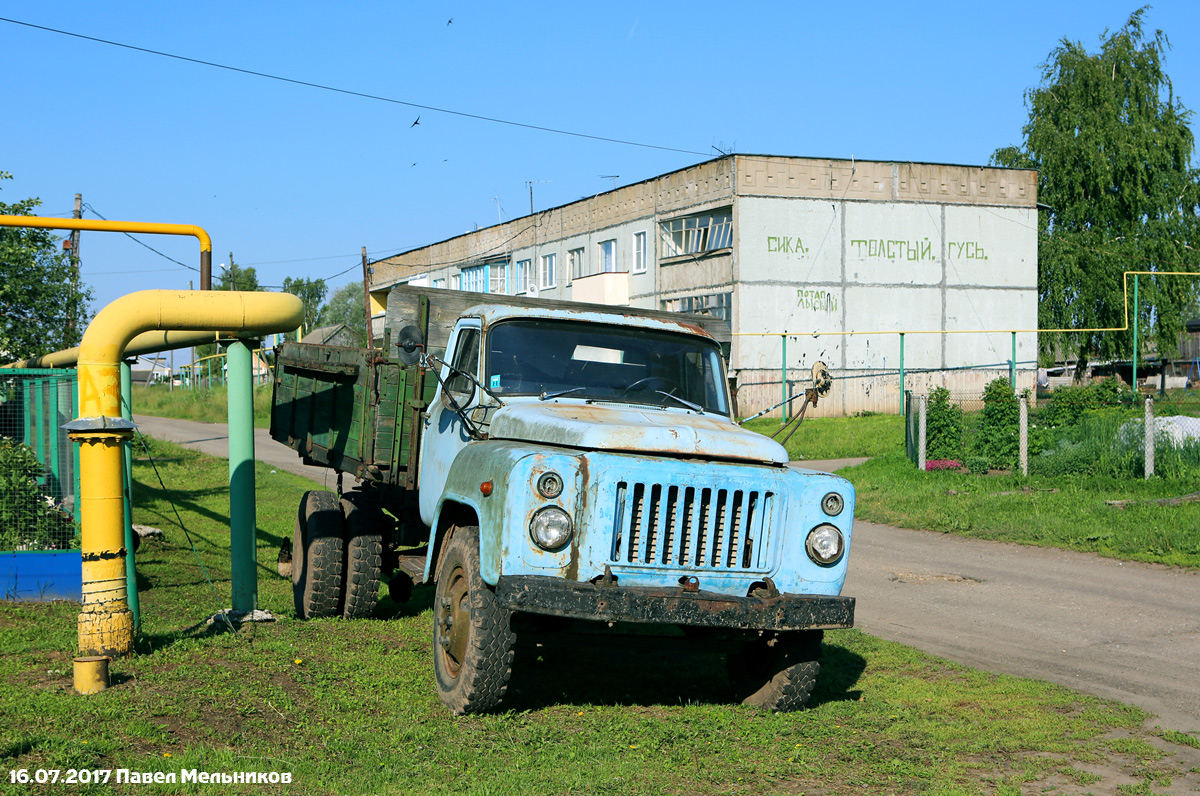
(521, 276)
(704, 232)
(456, 281)
(719, 305)
(439, 283)
(498, 278)
(575, 262)
(549, 278)
(474, 279)
(606, 252)
(639, 252)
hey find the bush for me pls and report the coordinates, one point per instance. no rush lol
(1067, 404)
(977, 465)
(999, 434)
(29, 520)
(943, 426)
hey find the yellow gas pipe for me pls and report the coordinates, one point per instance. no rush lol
(105, 622)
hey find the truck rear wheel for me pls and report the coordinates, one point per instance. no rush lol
(317, 556)
(777, 673)
(364, 553)
(472, 635)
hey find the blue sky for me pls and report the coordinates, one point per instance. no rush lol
(294, 180)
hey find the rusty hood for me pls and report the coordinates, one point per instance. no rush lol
(627, 428)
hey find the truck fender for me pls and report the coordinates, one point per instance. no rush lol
(451, 514)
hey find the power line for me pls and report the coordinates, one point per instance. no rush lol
(87, 206)
(348, 92)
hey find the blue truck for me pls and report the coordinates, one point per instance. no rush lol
(555, 468)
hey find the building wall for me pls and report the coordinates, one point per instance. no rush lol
(839, 257)
(843, 258)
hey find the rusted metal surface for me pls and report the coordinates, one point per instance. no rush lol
(663, 432)
(679, 606)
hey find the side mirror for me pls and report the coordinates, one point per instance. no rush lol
(460, 391)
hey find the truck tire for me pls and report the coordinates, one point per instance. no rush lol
(777, 673)
(364, 553)
(472, 635)
(317, 552)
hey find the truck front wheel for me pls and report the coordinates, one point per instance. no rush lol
(472, 635)
(777, 672)
(317, 556)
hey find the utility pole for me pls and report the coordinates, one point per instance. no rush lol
(232, 286)
(367, 297)
(73, 333)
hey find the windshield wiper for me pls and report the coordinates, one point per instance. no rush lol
(685, 402)
(548, 395)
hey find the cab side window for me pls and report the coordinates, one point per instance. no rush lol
(466, 359)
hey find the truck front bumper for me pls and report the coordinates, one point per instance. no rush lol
(678, 606)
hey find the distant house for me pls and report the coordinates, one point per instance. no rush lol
(338, 334)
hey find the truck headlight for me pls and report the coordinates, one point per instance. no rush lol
(550, 528)
(825, 544)
(832, 504)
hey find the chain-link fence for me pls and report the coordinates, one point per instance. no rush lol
(38, 463)
(1097, 429)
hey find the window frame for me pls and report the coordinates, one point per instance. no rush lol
(639, 253)
(604, 262)
(549, 260)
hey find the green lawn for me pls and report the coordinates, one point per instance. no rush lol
(350, 707)
(209, 405)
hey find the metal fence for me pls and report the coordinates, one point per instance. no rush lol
(38, 464)
(1091, 430)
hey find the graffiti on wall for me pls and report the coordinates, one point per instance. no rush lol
(879, 248)
(784, 244)
(965, 250)
(885, 249)
(816, 300)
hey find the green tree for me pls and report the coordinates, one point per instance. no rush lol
(1113, 149)
(312, 293)
(347, 306)
(41, 309)
(237, 277)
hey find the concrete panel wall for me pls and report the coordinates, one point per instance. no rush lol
(844, 278)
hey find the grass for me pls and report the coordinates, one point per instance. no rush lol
(1064, 511)
(209, 405)
(350, 707)
(838, 437)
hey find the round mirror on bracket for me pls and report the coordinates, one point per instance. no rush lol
(459, 392)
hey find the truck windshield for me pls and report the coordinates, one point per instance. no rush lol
(602, 362)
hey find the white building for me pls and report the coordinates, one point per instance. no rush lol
(806, 259)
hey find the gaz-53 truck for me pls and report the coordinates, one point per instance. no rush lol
(559, 470)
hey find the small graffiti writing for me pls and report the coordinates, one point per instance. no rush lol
(818, 300)
(785, 245)
(965, 250)
(911, 250)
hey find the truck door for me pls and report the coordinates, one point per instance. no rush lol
(445, 435)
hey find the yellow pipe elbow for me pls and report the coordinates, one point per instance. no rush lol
(115, 326)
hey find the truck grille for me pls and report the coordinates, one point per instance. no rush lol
(665, 525)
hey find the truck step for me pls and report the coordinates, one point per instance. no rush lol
(414, 567)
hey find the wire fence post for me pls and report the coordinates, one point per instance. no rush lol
(1024, 446)
(783, 410)
(1149, 437)
(921, 402)
(903, 408)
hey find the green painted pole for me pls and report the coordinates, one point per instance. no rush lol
(75, 450)
(1135, 331)
(242, 515)
(783, 379)
(131, 592)
(1012, 364)
(903, 407)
